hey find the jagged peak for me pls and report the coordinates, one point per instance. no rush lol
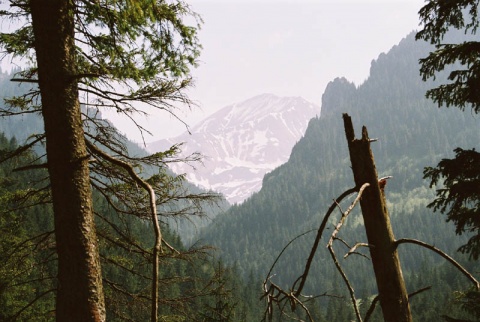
(254, 108)
(336, 93)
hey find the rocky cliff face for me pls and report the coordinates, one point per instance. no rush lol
(337, 93)
(242, 142)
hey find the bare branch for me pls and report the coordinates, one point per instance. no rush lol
(24, 80)
(281, 253)
(441, 253)
(22, 148)
(276, 296)
(354, 248)
(320, 230)
(332, 253)
(31, 167)
(346, 213)
(371, 308)
(377, 298)
(347, 282)
(172, 249)
(158, 234)
(410, 295)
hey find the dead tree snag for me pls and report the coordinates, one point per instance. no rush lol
(386, 264)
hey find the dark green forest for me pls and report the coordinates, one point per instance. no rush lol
(195, 286)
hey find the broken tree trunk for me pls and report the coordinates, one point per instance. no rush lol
(386, 264)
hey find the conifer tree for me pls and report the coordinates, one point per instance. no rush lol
(102, 55)
(459, 178)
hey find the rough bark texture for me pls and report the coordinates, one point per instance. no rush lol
(386, 264)
(80, 293)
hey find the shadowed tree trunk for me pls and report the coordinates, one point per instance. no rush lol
(386, 264)
(80, 294)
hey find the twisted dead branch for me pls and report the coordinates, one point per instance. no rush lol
(277, 296)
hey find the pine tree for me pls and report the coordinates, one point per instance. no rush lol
(99, 54)
(459, 178)
(459, 198)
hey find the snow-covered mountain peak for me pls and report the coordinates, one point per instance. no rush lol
(242, 142)
(251, 110)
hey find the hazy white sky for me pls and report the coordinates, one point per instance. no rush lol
(284, 47)
(288, 48)
(293, 47)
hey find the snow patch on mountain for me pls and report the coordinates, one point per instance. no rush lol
(241, 142)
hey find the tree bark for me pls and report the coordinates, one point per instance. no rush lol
(386, 264)
(80, 292)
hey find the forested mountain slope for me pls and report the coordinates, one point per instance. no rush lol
(412, 133)
(18, 126)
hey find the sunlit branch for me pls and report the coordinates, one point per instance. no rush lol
(353, 250)
(158, 234)
(320, 230)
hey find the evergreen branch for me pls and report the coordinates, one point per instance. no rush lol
(6, 112)
(39, 296)
(140, 249)
(109, 200)
(123, 267)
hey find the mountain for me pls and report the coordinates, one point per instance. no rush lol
(412, 133)
(242, 142)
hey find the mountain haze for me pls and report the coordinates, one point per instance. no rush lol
(243, 141)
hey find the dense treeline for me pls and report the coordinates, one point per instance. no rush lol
(412, 132)
(18, 126)
(26, 251)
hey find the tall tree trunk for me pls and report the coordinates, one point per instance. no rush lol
(80, 293)
(386, 264)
